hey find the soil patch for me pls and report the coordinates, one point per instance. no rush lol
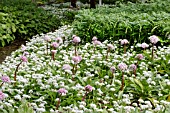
(6, 51)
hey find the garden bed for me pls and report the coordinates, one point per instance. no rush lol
(88, 78)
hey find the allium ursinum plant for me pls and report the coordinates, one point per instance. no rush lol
(133, 68)
(76, 40)
(95, 42)
(122, 67)
(153, 39)
(124, 42)
(62, 92)
(4, 79)
(112, 69)
(23, 59)
(144, 45)
(47, 39)
(88, 89)
(53, 52)
(76, 59)
(39, 80)
(109, 48)
(54, 46)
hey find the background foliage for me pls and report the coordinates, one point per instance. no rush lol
(131, 21)
(23, 19)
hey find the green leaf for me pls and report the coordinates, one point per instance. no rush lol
(139, 84)
(120, 94)
(81, 80)
(168, 98)
(13, 29)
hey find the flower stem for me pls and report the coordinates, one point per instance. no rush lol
(84, 96)
(136, 69)
(16, 70)
(57, 105)
(47, 48)
(107, 54)
(122, 82)
(75, 49)
(113, 79)
(53, 56)
(152, 51)
(124, 49)
(134, 72)
(74, 70)
(94, 49)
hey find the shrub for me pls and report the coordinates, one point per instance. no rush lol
(24, 19)
(7, 28)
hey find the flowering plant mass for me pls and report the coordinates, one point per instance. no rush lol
(81, 80)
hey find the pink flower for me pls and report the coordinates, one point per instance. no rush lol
(122, 66)
(25, 53)
(132, 67)
(124, 42)
(24, 58)
(66, 67)
(5, 79)
(62, 91)
(54, 51)
(144, 45)
(23, 48)
(2, 95)
(47, 38)
(88, 88)
(154, 39)
(59, 40)
(112, 69)
(76, 39)
(110, 46)
(96, 42)
(94, 38)
(77, 59)
(55, 44)
(139, 56)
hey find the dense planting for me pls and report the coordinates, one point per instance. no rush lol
(132, 21)
(23, 19)
(54, 73)
(62, 11)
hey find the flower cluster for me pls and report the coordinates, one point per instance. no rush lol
(154, 39)
(77, 59)
(62, 91)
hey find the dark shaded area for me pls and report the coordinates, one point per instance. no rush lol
(73, 3)
(92, 4)
(6, 51)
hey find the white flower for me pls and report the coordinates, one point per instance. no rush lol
(93, 106)
(18, 97)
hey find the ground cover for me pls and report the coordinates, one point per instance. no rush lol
(55, 72)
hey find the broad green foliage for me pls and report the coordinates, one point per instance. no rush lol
(7, 29)
(131, 21)
(22, 20)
